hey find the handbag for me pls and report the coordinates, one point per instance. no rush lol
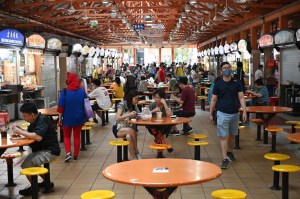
(89, 113)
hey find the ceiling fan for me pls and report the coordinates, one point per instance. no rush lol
(85, 17)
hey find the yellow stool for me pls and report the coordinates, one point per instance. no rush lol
(121, 144)
(273, 131)
(237, 137)
(34, 172)
(9, 156)
(259, 123)
(276, 157)
(293, 123)
(228, 194)
(89, 124)
(202, 99)
(85, 137)
(285, 169)
(197, 144)
(197, 136)
(98, 194)
(160, 147)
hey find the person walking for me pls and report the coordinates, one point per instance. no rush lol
(72, 115)
(227, 98)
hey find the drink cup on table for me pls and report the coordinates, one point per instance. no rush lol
(159, 115)
(3, 133)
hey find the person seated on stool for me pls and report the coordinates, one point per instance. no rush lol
(261, 93)
(102, 97)
(160, 105)
(187, 99)
(127, 109)
(45, 148)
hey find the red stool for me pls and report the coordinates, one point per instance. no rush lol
(274, 101)
(4, 117)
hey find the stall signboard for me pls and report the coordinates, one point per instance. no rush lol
(284, 37)
(139, 27)
(221, 50)
(76, 48)
(205, 52)
(226, 48)
(97, 52)
(298, 35)
(106, 54)
(113, 54)
(212, 51)
(54, 44)
(6, 55)
(102, 52)
(242, 45)
(233, 47)
(152, 32)
(85, 50)
(11, 37)
(266, 41)
(35, 41)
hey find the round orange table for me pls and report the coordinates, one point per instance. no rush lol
(9, 143)
(145, 102)
(161, 121)
(266, 113)
(161, 177)
(294, 137)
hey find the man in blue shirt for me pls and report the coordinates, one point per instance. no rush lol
(227, 98)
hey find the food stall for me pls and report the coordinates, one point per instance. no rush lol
(11, 41)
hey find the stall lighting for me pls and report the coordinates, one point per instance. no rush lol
(193, 2)
(183, 15)
(105, 1)
(187, 7)
(114, 7)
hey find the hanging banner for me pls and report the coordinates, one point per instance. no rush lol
(266, 41)
(242, 45)
(284, 37)
(35, 41)
(152, 32)
(11, 37)
(54, 44)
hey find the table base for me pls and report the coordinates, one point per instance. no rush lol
(160, 193)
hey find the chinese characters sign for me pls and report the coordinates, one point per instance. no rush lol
(139, 27)
(11, 37)
(35, 41)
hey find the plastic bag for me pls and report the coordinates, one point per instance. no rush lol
(146, 114)
(89, 113)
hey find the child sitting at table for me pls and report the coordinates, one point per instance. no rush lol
(160, 105)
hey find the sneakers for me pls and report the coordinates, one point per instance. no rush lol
(174, 133)
(230, 156)
(225, 164)
(187, 131)
(138, 156)
(68, 157)
(75, 158)
(26, 192)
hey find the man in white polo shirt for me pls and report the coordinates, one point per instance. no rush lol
(102, 97)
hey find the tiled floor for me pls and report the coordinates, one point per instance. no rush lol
(250, 173)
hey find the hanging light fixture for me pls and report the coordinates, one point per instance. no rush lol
(105, 1)
(71, 9)
(114, 7)
(187, 7)
(119, 15)
(226, 11)
(215, 17)
(183, 15)
(124, 20)
(193, 2)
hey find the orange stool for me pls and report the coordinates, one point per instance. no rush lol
(273, 131)
(259, 123)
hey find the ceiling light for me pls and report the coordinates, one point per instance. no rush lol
(85, 17)
(105, 1)
(187, 7)
(193, 2)
(124, 20)
(71, 9)
(119, 14)
(93, 23)
(226, 11)
(183, 15)
(114, 7)
(148, 18)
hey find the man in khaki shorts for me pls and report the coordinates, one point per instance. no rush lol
(45, 148)
(227, 98)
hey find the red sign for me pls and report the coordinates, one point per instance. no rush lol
(35, 41)
(266, 41)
